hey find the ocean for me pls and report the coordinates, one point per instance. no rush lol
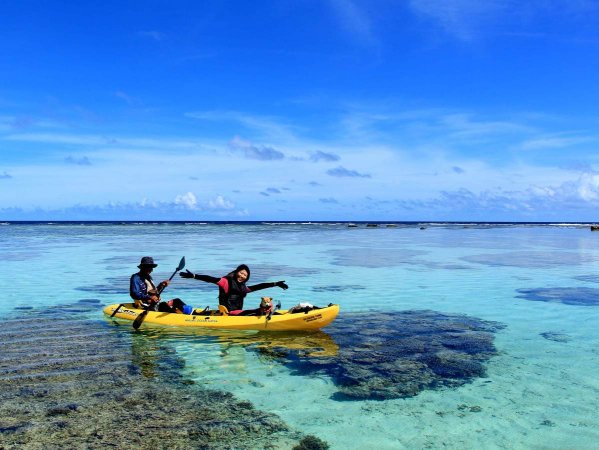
(450, 335)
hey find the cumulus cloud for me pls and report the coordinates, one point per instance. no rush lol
(457, 169)
(272, 190)
(82, 161)
(588, 187)
(188, 200)
(5, 175)
(221, 203)
(323, 156)
(183, 207)
(577, 197)
(251, 151)
(341, 171)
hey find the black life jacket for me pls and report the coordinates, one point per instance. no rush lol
(232, 300)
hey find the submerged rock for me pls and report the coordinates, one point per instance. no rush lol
(578, 296)
(77, 383)
(555, 336)
(396, 354)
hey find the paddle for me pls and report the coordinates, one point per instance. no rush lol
(139, 319)
(116, 310)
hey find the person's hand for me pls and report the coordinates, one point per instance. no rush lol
(281, 284)
(163, 284)
(187, 274)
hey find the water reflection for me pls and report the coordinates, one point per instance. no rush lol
(306, 344)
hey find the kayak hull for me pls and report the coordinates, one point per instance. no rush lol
(312, 320)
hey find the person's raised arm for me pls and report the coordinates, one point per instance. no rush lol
(260, 286)
(197, 276)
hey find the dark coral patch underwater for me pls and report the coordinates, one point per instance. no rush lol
(531, 259)
(396, 354)
(588, 278)
(556, 336)
(68, 382)
(577, 296)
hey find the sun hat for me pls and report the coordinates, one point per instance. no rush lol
(147, 261)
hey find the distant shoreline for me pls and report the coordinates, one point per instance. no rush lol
(288, 222)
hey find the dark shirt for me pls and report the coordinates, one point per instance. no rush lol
(138, 290)
(231, 293)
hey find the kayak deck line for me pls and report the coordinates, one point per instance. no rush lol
(282, 321)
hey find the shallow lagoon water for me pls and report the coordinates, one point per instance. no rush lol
(536, 388)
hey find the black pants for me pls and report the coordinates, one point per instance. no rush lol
(177, 304)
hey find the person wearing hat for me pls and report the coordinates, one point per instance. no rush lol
(232, 287)
(147, 295)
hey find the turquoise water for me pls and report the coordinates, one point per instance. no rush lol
(538, 283)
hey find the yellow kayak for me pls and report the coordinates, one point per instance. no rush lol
(282, 321)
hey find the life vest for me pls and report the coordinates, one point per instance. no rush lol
(149, 285)
(233, 298)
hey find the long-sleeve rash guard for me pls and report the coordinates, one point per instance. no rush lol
(232, 293)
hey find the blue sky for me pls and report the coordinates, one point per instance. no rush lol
(299, 110)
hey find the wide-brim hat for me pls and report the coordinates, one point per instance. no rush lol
(147, 261)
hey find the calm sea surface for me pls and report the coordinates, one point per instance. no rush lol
(450, 335)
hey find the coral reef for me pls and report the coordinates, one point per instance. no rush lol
(76, 383)
(395, 354)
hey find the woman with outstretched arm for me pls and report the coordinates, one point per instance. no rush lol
(232, 288)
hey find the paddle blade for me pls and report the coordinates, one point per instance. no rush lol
(139, 319)
(181, 264)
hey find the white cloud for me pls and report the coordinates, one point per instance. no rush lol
(78, 161)
(412, 157)
(265, 128)
(588, 187)
(553, 142)
(262, 153)
(464, 19)
(188, 200)
(354, 21)
(126, 97)
(471, 20)
(341, 171)
(221, 203)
